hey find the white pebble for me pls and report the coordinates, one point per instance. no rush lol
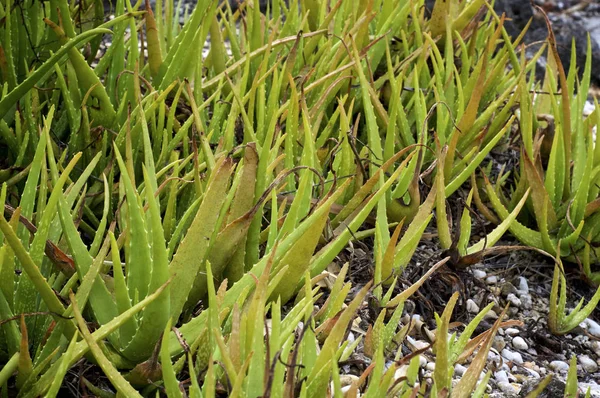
(588, 364)
(512, 332)
(512, 356)
(422, 361)
(472, 307)
(490, 315)
(513, 300)
(594, 389)
(592, 327)
(491, 280)
(523, 286)
(519, 343)
(533, 373)
(417, 344)
(559, 366)
(596, 347)
(526, 301)
(459, 370)
(430, 366)
(507, 388)
(479, 274)
(501, 376)
(401, 372)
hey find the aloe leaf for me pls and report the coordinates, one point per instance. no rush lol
(116, 379)
(169, 377)
(82, 347)
(9, 100)
(457, 181)
(62, 369)
(9, 368)
(152, 36)
(156, 315)
(139, 253)
(497, 233)
(468, 382)
(100, 298)
(32, 270)
(189, 258)
(298, 257)
(335, 338)
(526, 235)
(10, 330)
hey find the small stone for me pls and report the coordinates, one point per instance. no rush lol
(508, 288)
(513, 300)
(519, 343)
(593, 388)
(592, 327)
(507, 388)
(499, 343)
(401, 372)
(479, 274)
(588, 364)
(346, 380)
(430, 366)
(523, 286)
(532, 351)
(533, 373)
(526, 301)
(511, 332)
(459, 370)
(559, 366)
(501, 376)
(422, 361)
(490, 315)
(472, 307)
(512, 356)
(417, 344)
(596, 347)
(491, 280)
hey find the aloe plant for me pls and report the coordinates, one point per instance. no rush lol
(190, 205)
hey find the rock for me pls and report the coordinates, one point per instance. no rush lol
(346, 380)
(501, 376)
(588, 364)
(519, 343)
(512, 332)
(430, 366)
(512, 356)
(559, 366)
(555, 388)
(526, 301)
(523, 286)
(596, 347)
(594, 389)
(401, 372)
(490, 315)
(592, 327)
(422, 361)
(533, 373)
(459, 370)
(513, 300)
(417, 344)
(565, 29)
(499, 343)
(491, 280)
(508, 388)
(479, 274)
(508, 288)
(472, 307)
